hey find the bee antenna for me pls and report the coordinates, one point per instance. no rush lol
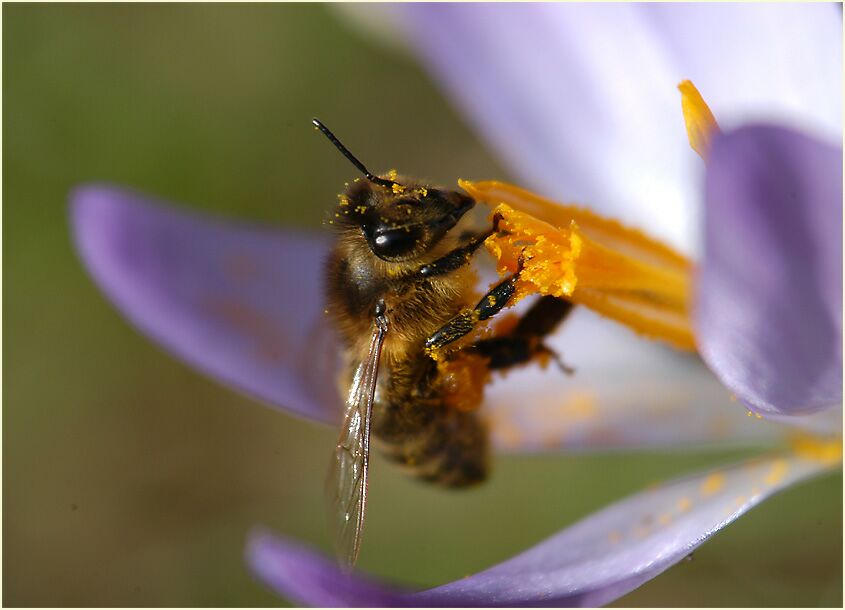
(337, 143)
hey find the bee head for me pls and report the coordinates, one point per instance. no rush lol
(401, 219)
(405, 221)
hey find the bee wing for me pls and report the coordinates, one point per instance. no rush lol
(347, 481)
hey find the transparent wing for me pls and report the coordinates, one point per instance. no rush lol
(347, 481)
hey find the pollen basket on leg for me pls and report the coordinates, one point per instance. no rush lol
(566, 251)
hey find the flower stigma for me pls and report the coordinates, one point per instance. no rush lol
(700, 122)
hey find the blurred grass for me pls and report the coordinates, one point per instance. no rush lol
(130, 480)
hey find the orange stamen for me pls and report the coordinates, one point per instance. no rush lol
(573, 253)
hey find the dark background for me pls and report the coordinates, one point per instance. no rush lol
(129, 479)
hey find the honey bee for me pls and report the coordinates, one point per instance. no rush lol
(399, 290)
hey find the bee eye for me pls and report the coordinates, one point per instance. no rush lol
(394, 243)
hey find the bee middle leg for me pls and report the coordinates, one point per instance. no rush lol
(525, 341)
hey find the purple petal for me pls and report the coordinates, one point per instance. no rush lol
(302, 574)
(591, 563)
(769, 297)
(580, 100)
(239, 303)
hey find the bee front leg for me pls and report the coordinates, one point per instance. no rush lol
(490, 304)
(458, 257)
(454, 259)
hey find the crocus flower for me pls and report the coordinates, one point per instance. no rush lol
(577, 99)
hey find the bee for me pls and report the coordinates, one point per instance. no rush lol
(399, 289)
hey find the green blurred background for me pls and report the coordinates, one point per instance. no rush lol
(129, 479)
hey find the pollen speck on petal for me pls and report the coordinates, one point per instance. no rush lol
(590, 563)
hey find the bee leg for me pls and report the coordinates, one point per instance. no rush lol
(525, 341)
(458, 257)
(453, 260)
(490, 304)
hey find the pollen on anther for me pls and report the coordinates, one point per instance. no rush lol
(565, 251)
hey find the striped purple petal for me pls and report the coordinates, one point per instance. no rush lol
(591, 563)
(243, 304)
(768, 311)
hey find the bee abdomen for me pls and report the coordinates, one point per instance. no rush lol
(435, 443)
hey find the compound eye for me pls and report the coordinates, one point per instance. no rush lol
(395, 243)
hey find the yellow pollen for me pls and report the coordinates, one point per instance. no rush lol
(701, 124)
(570, 252)
(824, 450)
(509, 433)
(777, 472)
(712, 484)
(580, 405)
